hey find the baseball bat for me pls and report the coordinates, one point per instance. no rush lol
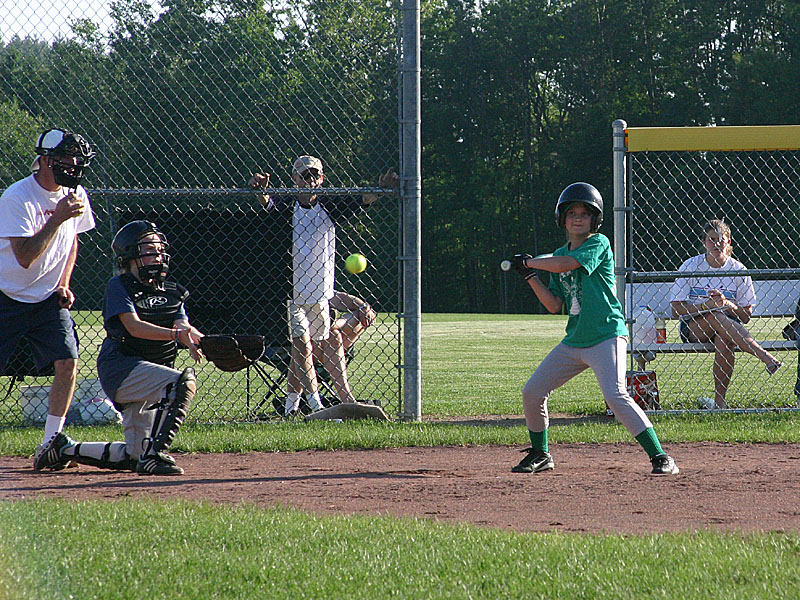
(506, 264)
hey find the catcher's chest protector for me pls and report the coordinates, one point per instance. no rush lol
(159, 307)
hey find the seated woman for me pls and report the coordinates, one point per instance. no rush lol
(351, 317)
(716, 309)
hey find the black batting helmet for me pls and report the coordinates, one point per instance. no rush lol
(580, 192)
(127, 246)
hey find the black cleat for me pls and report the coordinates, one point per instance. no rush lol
(158, 464)
(49, 455)
(535, 462)
(664, 465)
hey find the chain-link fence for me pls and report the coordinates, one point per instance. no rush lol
(705, 351)
(183, 101)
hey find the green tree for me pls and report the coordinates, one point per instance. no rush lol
(518, 101)
(20, 131)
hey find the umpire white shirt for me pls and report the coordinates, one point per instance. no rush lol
(24, 209)
(314, 254)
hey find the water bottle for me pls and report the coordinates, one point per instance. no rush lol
(661, 331)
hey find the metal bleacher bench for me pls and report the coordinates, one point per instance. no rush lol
(775, 298)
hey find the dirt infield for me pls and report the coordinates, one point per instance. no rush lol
(594, 487)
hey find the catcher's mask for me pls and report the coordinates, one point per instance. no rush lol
(132, 243)
(584, 193)
(69, 155)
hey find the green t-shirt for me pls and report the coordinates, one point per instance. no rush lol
(588, 292)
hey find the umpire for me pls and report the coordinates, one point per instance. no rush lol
(40, 219)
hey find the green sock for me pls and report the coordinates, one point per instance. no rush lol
(649, 441)
(539, 440)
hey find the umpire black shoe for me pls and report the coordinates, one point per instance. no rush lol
(535, 462)
(664, 465)
(158, 464)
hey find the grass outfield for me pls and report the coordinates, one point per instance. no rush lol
(477, 364)
(472, 365)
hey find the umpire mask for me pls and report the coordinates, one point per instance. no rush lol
(69, 155)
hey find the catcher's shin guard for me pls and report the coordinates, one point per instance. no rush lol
(104, 455)
(171, 413)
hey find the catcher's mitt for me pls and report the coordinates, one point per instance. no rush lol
(232, 352)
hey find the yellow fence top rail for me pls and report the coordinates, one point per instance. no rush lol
(757, 137)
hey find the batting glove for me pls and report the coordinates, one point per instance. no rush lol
(518, 264)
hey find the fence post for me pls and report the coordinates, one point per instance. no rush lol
(620, 215)
(412, 200)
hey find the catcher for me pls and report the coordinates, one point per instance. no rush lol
(145, 323)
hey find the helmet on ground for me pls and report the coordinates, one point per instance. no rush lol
(71, 155)
(580, 192)
(128, 245)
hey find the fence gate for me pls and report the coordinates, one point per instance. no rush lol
(668, 183)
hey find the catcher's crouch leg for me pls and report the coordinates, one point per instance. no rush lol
(170, 414)
(104, 455)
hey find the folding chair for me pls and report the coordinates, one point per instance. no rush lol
(22, 365)
(279, 359)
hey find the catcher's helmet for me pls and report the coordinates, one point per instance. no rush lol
(57, 143)
(127, 246)
(580, 192)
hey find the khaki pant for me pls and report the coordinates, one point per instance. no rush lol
(145, 386)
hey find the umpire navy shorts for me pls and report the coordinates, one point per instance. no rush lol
(47, 326)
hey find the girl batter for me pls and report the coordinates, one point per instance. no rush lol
(583, 279)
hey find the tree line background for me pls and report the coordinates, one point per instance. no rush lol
(518, 97)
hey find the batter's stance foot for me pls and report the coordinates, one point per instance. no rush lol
(535, 462)
(664, 465)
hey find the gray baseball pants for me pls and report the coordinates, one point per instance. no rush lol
(607, 359)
